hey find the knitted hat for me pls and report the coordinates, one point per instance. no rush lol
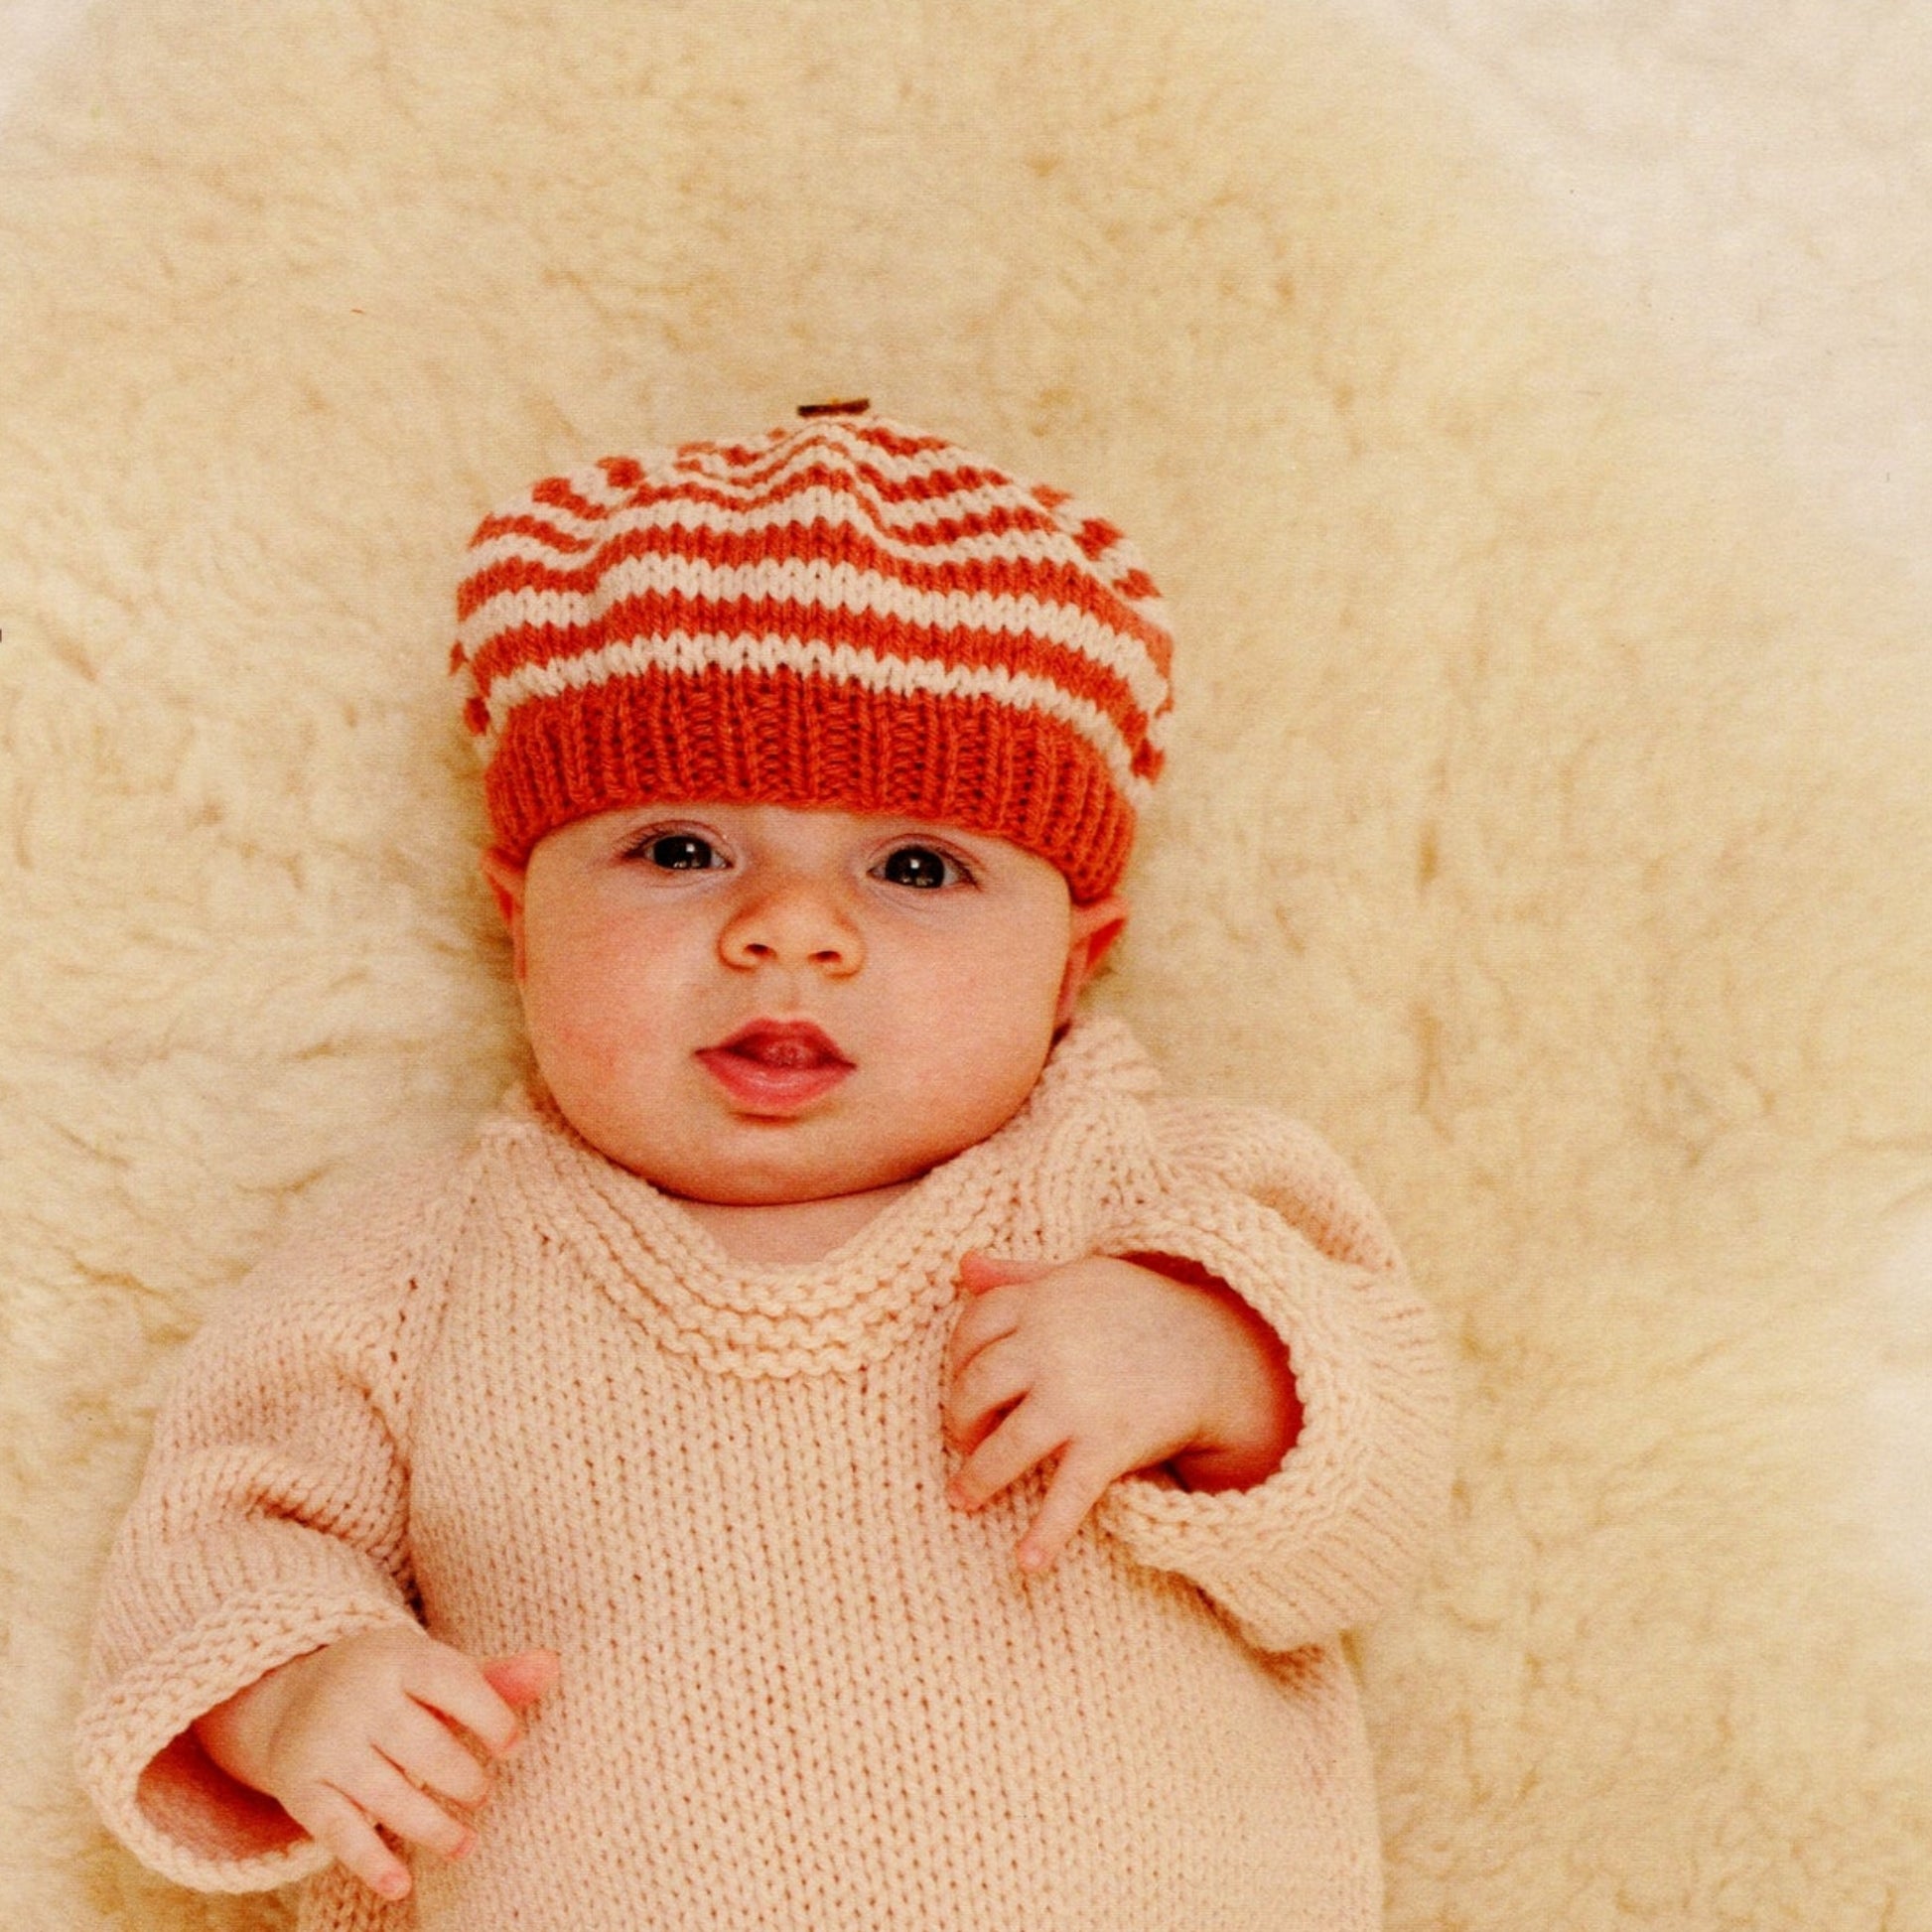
(845, 614)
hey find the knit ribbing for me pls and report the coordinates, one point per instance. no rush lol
(799, 1688)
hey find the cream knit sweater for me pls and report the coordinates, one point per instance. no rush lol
(524, 1397)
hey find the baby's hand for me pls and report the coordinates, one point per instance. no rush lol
(363, 1733)
(1113, 1367)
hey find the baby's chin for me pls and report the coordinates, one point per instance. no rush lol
(786, 1171)
(790, 1191)
(784, 1167)
(787, 1224)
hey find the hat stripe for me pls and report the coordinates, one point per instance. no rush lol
(991, 561)
(989, 502)
(587, 494)
(513, 653)
(816, 502)
(810, 495)
(523, 597)
(706, 532)
(930, 471)
(698, 654)
(912, 449)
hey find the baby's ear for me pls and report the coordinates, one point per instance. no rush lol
(507, 879)
(1094, 929)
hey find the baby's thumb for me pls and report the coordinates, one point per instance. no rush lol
(978, 1271)
(522, 1679)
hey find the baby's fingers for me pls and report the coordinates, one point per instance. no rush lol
(525, 1678)
(341, 1826)
(422, 1746)
(455, 1685)
(393, 1802)
(1078, 1483)
(980, 1272)
(1021, 1442)
(980, 1393)
(398, 1805)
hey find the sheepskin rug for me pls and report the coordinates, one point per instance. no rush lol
(1547, 819)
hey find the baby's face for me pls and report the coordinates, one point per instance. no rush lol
(752, 1004)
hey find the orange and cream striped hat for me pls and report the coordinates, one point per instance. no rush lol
(844, 613)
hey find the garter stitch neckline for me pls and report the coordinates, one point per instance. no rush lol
(666, 1271)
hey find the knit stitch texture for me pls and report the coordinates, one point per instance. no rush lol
(524, 1396)
(840, 613)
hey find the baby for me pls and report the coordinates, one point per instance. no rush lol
(839, 1450)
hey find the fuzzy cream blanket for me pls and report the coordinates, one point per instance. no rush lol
(1548, 818)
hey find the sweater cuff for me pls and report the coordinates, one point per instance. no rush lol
(156, 1788)
(1335, 1531)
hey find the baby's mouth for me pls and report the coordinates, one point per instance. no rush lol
(776, 1065)
(791, 1045)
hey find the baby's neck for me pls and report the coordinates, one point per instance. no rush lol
(790, 1232)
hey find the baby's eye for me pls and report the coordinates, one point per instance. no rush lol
(920, 867)
(678, 852)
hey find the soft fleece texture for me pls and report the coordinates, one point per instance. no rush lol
(1547, 819)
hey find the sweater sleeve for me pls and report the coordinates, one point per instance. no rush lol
(1336, 1532)
(270, 1521)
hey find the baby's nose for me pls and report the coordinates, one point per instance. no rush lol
(796, 924)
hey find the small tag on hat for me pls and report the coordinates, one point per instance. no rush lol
(857, 407)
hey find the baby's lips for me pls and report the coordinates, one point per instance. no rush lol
(776, 1068)
(786, 1043)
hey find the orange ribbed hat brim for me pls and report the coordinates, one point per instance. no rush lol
(792, 740)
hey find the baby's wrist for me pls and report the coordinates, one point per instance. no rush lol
(228, 1734)
(1253, 1413)
(237, 1732)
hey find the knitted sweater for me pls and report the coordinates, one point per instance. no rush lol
(522, 1397)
